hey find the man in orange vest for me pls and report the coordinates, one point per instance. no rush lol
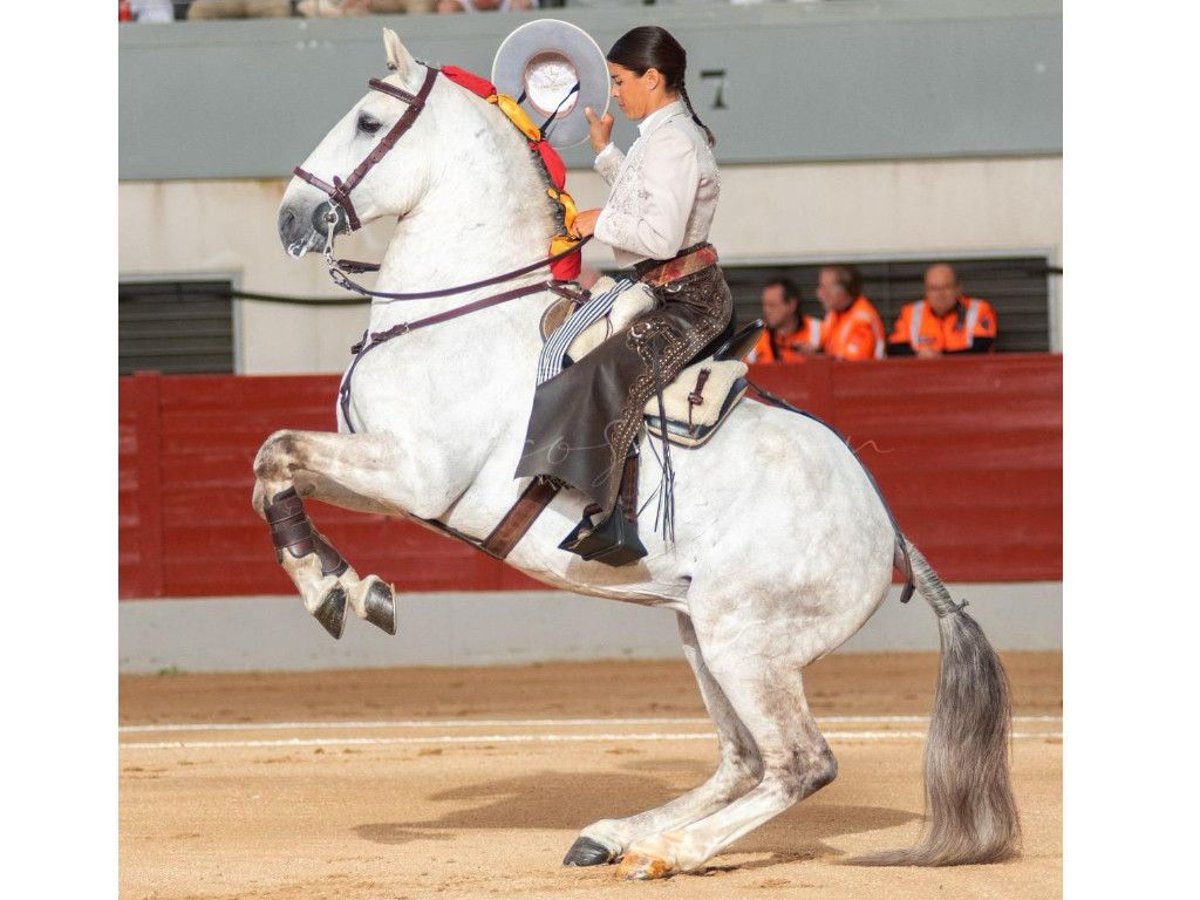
(944, 321)
(852, 328)
(790, 335)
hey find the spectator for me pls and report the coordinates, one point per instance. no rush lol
(944, 321)
(790, 335)
(333, 8)
(151, 11)
(457, 6)
(852, 328)
(239, 9)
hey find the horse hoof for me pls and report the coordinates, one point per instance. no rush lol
(380, 606)
(586, 852)
(639, 867)
(332, 611)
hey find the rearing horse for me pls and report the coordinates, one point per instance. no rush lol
(783, 547)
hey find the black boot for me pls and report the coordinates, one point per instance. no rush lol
(614, 541)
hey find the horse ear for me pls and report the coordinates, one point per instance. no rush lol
(398, 58)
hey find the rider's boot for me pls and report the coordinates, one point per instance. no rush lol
(614, 541)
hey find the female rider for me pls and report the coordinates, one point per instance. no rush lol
(586, 420)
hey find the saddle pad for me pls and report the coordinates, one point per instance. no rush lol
(716, 387)
(683, 435)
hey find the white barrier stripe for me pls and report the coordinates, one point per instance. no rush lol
(501, 723)
(521, 739)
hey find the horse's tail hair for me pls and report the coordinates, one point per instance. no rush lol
(971, 814)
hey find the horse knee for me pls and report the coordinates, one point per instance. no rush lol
(277, 458)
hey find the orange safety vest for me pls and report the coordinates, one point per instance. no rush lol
(919, 327)
(791, 347)
(855, 333)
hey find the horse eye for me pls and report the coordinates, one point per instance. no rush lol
(368, 125)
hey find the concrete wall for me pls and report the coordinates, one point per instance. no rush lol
(230, 634)
(796, 212)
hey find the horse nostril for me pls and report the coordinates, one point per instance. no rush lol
(287, 221)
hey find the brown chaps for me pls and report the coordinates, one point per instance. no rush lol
(586, 417)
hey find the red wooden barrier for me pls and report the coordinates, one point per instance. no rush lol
(968, 452)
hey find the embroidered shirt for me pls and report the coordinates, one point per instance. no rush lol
(663, 193)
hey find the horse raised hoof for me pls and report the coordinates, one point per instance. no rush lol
(331, 612)
(586, 852)
(379, 606)
(641, 867)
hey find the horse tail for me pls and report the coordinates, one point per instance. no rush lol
(971, 814)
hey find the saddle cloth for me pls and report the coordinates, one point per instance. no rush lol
(700, 397)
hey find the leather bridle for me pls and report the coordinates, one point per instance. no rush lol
(339, 191)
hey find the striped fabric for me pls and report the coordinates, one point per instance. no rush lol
(550, 363)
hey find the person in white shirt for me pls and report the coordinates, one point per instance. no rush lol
(585, 422)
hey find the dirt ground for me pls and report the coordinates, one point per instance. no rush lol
(455, 783)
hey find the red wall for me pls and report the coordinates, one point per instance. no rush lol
(968, 453)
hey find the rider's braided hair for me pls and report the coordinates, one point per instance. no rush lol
(652, 47)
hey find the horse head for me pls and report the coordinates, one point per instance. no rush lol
(418, 146)
(362, 170)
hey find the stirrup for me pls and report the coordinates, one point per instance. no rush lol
(615, 542)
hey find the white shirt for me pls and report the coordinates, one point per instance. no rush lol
(663, 194)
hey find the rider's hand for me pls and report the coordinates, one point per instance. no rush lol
(598, 129)
(585, 222)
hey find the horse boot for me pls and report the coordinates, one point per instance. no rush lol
(614, 541)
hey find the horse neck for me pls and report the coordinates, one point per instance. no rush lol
(485, 213)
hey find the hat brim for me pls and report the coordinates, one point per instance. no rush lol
(539, 63)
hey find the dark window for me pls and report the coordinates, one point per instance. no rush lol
(1017, 288)
(175, 326)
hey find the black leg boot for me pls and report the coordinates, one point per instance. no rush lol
(614, 541)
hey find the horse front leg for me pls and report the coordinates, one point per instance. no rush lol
(360, 472)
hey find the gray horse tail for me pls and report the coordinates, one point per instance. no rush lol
(970, 813)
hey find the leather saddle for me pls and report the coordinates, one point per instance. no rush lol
(701, 397)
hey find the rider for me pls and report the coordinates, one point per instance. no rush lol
(586, 421)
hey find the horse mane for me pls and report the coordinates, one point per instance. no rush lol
(546, 161)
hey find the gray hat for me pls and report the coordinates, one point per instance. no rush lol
(539, 65)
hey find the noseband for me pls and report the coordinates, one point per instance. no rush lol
(339, 191)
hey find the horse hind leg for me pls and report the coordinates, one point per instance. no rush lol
(739, 770)
(325, 580)
(768, 697)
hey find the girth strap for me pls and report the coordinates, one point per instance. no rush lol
(516, 521)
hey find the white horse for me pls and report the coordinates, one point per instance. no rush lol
(783, 547)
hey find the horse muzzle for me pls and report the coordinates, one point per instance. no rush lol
(301, 229)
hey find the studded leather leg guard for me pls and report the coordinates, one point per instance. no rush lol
(291, 530)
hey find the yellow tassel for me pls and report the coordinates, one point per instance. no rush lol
(516, 115)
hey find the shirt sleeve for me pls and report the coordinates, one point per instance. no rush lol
(651, 219)
(900, 332)
(985, 322)
(860, 343)
(608, 162)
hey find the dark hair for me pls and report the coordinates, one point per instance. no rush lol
(848, 277)
(790, 291)
(652, 47)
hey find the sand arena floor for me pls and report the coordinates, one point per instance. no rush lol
(454, 783)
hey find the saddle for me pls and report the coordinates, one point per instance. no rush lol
(700, 398)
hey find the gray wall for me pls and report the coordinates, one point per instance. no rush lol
(846, 80)
(513, 627)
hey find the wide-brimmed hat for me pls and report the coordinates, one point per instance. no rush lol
(540, 64)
